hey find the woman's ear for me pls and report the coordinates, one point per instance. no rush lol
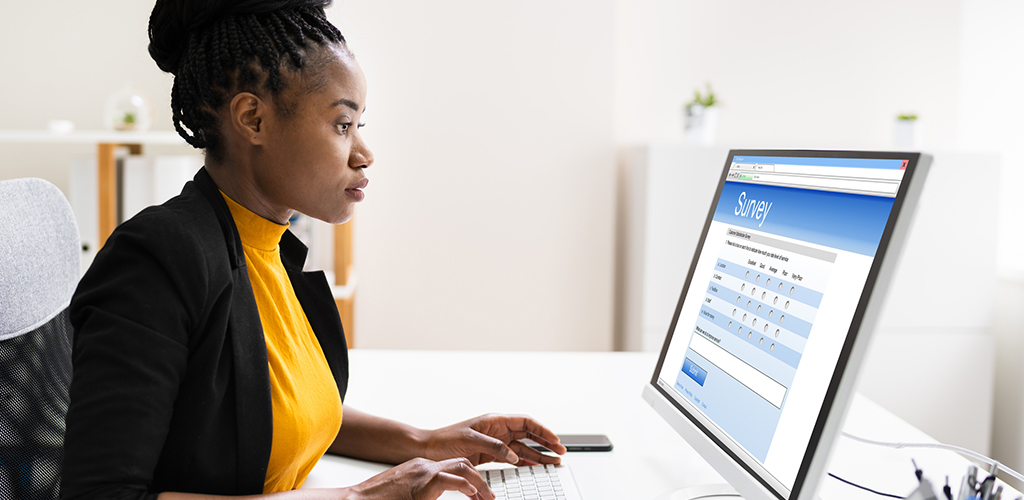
(247, 112)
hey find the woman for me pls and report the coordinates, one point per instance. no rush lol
(205, 361)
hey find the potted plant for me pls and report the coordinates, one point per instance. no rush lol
(904, 136)
(701, 116)
(128, 110)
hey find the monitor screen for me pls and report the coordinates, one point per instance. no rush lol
(774, 299)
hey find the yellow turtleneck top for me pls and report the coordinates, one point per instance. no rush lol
(306, 403)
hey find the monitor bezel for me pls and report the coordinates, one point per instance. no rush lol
(840, 388)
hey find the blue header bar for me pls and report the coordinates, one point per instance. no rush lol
(850, 222)
(886, 164)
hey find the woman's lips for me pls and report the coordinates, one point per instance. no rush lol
(355, 194)
(356, 191)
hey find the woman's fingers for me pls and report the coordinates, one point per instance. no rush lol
(444, 481)
(424, 479)
(522, 427)
(459, 475)
(494, 447)
(530, 456)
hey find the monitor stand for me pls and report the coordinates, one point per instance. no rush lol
(703, 492)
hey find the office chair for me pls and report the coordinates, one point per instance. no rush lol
(40, 264)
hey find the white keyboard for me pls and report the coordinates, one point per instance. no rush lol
(539, 482)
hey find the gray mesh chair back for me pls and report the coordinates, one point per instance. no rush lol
(40, 264)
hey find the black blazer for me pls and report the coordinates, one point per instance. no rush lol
(171, 389)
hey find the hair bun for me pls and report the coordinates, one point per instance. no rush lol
(173, 20)
(170, 25)
(264, 6)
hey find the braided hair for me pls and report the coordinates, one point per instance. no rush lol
(217, 48)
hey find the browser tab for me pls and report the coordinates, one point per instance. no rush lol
(856, 176)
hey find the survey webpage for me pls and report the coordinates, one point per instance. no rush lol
(772, 297)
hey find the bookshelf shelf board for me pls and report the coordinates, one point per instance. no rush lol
(91, 137)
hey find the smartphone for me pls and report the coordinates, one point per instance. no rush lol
(578, 442)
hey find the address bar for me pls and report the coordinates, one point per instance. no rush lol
(884, 187)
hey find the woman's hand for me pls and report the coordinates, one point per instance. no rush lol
(422, 479)
(493, 438)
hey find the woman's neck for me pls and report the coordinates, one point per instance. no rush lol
(237, 182)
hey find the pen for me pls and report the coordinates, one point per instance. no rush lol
(967, 489)
(989, 483)
(985, 492)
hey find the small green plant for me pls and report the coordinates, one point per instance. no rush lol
(129, 118)
(706, 100)
(907, 117)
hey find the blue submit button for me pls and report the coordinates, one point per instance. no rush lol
(695, 372)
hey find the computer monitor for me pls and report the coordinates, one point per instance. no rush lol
(760, 360)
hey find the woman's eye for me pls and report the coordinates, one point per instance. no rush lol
(343, 127)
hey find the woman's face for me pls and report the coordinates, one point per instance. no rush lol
(314, 160)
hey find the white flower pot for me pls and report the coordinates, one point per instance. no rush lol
(701, 125)
(904, 134)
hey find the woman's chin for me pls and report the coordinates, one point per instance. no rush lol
(339, 218)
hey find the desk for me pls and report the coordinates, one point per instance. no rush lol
(582, 393)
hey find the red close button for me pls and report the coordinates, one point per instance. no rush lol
(904, 165)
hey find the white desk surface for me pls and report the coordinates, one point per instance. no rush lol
(599, 393)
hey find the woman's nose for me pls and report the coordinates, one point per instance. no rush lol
(361, 156)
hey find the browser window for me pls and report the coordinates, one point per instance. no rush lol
(772, 297)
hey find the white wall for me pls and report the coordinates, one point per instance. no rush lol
(989, 107)
(490, 213)
(799, 73)
(813, 74)
(488, 219)
(989, 103)
(61, 60)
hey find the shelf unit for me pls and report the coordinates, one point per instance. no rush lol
(107, 143)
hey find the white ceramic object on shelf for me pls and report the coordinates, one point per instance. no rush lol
(61, 127)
